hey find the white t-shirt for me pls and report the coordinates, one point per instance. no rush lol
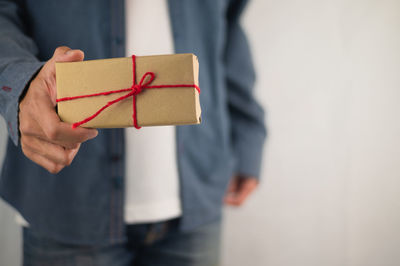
(152, 183)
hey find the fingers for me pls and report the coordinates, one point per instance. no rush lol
(49, 165)
(50, 125)
(60, 132)
(48, 75)
(239, 190)
(66, 54)
(54, 153)
(29, 127)
(246, 189)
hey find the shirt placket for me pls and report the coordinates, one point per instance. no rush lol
(117, 229)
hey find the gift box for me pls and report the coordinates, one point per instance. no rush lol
(133, 91)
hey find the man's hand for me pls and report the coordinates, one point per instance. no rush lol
(44, 138)
(239, 189)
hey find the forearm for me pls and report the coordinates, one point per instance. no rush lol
(248, 129)
(18, 63)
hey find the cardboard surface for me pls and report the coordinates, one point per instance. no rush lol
(155, 107)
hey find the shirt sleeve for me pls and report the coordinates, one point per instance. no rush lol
(18, 63)
(248, 131)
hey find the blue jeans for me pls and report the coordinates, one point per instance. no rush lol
(148, 244)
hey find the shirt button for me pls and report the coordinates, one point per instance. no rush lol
(115, 158)
(118, 182)
(118, 40)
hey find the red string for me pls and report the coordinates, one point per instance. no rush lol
(134, 90)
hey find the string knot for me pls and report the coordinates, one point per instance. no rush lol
(145, 81)
(136, 89)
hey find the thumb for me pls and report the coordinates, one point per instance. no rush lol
(66, 54)
(48, 72)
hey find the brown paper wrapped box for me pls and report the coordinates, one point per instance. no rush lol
(155, 107)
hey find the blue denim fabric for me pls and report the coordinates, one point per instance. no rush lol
(158, 244)
(83, 204)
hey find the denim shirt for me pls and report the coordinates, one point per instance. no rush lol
(83, 203)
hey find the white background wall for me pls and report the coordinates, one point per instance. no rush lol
(329, 75)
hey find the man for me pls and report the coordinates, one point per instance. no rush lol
(83, 202)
